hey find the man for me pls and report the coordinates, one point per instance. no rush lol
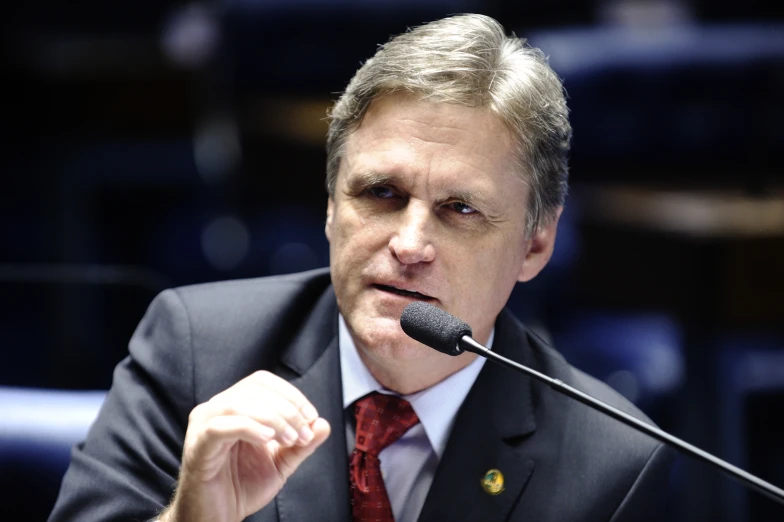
(447, 168)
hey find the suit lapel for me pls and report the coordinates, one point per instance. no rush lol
(490, 425)
(318, 490)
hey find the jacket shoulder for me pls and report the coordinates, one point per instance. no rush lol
(240, 326)
(279, 288)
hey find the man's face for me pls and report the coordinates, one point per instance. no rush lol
(427, 206)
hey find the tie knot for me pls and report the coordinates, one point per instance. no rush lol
(381, 420)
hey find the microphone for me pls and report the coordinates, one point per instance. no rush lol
(433, 327)
(444, 332)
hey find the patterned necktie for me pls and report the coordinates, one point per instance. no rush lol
(381, 420)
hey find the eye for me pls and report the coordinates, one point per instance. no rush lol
(381, 192)
(462, 208)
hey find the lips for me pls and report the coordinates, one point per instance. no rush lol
(404, 293)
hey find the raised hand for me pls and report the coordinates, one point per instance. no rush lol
(241, 446)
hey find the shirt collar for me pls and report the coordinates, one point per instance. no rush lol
(436, 406)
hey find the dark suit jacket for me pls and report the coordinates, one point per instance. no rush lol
(561, 461)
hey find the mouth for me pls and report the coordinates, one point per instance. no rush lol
(404, 293)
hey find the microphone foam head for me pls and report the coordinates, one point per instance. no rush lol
(434, 327)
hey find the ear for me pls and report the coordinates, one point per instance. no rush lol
(540, 249)
(328, 226)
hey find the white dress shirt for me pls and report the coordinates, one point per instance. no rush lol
(409, 465)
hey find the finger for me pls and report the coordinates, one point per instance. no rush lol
(269, 400)
(271, 410)
(290, 425)
(214, 440)
(289, 391)
(289, 459)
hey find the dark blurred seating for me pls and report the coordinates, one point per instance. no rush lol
(311, 46)
(689, 103)
(68, 325)
(640, 355)
(751, 394)
(38, 427)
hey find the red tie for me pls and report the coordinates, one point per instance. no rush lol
(381, 420)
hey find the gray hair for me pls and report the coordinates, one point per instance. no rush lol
(469, 60)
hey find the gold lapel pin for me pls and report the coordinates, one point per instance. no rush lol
(493, 482)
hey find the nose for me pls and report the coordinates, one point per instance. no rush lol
(412, 242)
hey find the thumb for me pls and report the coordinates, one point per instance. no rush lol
(289, 459)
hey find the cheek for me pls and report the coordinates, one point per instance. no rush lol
(354, 241)
(353, 229)
(493, 267)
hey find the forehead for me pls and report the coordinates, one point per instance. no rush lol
(401, 135)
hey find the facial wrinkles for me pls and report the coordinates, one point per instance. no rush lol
(426, 194)
(452, 131)
(431, 137)
(472, 165)
(422, 165)
(422, 178)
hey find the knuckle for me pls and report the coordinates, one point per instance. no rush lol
(197, 414)
(211, 429)
(291, 414)
(261, 376)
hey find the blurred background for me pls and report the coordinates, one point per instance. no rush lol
(153, 144)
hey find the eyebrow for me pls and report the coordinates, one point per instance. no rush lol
(359, 181)
(472, 199)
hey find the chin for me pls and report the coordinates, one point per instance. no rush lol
(384, 338)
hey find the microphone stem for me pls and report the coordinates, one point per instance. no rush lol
(769, 490)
